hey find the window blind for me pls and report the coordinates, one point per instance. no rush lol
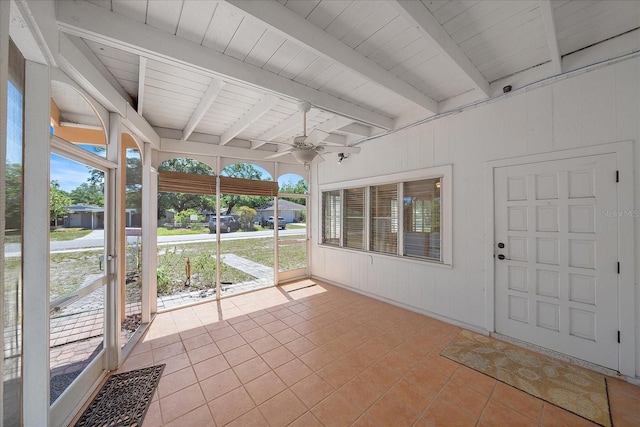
(190, 183)
(421, 215)
(331, 217)
(354, 218)
(384, 219)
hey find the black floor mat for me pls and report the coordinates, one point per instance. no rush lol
(123, 400)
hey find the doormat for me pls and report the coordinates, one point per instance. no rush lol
(569, 387)
(123, 400)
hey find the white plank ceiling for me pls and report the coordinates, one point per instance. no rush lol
(237, 70)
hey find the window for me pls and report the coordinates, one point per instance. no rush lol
(331, 217)
(384, 218)
(421, 214)
(354, 217)
(407, 216)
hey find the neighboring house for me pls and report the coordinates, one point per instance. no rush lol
(290, 211)
(92, 217)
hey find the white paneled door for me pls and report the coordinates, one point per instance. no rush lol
(556, 256)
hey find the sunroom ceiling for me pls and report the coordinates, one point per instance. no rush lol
(234, 72)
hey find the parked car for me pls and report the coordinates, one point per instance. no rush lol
(228, 224)
(282, 224)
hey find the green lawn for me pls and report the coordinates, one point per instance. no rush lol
(163, 231)
(68, 234)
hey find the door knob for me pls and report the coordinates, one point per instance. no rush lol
(501, 245)
(501, 256)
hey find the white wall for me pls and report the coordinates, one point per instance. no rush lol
(596, 107)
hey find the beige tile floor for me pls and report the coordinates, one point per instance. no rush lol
(322, 355)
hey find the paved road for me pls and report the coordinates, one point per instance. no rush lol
(95, 239)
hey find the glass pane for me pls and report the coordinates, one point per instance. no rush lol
(384, 219)
(247, 246)
(354, 218)
(331, 217)
(12, 262)
(132, 313)
(292, 241)
(422, 218)
(186, 248)
(77, 269)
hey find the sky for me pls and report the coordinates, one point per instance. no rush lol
(70, 174)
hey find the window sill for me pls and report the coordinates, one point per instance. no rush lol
(426, 262)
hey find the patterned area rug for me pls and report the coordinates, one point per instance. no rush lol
(123, 400)
(575, 389)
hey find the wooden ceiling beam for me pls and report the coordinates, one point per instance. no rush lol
(549, 19)
(258, 110)
(95, 23)
(417, 14)
(203, 106)
(295, 27)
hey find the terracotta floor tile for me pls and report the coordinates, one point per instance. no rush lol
(335, 410)
(264, 319)
(265, 344)
(293, 371)
(251, 369)
(306, 420)
(389, 411)
(282, 409)
(381, 376)
(275, 326)
(464, 397)
(240, 354)
(153, 418)
(192, 332)
(219, 384)
(245, 325)
(286, 335)
(426, 377)
(252, 418)
(556, 417)
(222, 333)
(337, 373)
(229, 343)
(624, 402)
(363, 421)
(162, 353)
(265, 387)
(197, 341)
(300, 346)
(254, 334)
(621, 419)
(518, 400)
(311, 390)
(316, 358)
(210, 367)
(277, 357)
(497, 414)
(473, 379)
(444, 413)
(230, 406)
(440, 364)
(361, 392)
(202, 353)
(413, 395)
(178, 404)
(201, 416)
(175, 381)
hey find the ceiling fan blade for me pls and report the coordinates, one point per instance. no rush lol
(316, 136)
(342, 149)
(279, 154)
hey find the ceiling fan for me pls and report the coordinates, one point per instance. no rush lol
(306, 148)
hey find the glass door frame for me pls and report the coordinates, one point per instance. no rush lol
(79, 390)
(299, 273)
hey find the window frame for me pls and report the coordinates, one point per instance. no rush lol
(444, 172)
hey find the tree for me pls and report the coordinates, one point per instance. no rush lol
(184, 217)
(298, 188)
(246, 171)
(181, 201)
(59, 201)
(13, 196)
(247, 216)
(88, 194)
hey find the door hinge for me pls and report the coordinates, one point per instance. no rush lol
(617, 176)
(618, 337)
(618, 267)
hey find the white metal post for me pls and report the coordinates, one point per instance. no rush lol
(35, 254)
